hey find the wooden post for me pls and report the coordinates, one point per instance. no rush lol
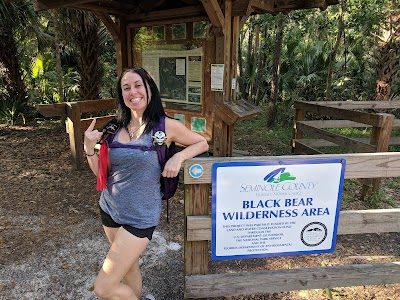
(75, 134)
(121, 46)
(218, 137)
(299, 115)
(195, 253)
(228, 50)
(380, 137)
(235, 53)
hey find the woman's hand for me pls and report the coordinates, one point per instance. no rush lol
(172, 166)
(92, 136)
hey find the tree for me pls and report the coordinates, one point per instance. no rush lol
(83, 31)
(271, 106)
(12, 16)
(332, 56)
(388, 55)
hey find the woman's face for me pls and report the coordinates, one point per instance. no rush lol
(134, 91)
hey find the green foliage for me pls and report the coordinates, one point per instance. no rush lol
(378, 198)
(309, 38)
(272, 141)
(11, 111)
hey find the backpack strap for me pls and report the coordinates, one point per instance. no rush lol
(159, 140)
(109, 131)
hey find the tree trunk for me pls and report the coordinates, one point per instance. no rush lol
(271, 107)
(260, 73)
(12, 75)
(242, 79)
(255, 63)
(60, 81)
(332, 56)
(388, 61)
(89, 48)
(248, 65)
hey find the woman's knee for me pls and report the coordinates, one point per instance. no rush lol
(103, 289)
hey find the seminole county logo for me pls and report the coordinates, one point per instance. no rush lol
(278, 176)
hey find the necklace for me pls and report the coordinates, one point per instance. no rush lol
(132, 132)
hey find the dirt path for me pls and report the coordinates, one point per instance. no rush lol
(52, 244)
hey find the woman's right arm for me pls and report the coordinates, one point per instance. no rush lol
(90, 140)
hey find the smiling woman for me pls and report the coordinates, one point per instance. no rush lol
(129, 178)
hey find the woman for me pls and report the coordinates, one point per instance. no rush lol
(130, 206)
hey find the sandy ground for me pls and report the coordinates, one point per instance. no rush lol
(52, 244)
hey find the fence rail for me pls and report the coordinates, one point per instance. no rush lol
(199, 284)
(350, 115)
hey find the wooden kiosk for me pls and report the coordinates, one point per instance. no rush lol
(192, 54)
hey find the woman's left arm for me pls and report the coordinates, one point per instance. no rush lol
(194, 143)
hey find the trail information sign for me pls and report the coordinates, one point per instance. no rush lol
(275, 208)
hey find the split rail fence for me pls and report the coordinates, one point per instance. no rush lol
(75, 126)
(345, 114)
(200, 285)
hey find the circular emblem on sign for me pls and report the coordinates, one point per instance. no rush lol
(313, 234)
(196, 171)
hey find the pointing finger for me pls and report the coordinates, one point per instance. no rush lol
(91, 126)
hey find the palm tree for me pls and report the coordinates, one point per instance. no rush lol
(12, 15)
(20, 26)
(84, 32)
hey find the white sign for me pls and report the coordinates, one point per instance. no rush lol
(275, 208)
(217, 77)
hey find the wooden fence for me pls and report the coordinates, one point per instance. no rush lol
(75, 126)
(348, 114)
(199, 284)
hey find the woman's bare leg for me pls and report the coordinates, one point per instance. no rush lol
(123, 255)
(134, 276)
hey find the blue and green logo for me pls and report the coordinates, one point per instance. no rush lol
(278, 176)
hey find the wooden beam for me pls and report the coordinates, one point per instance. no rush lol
(190, 11)
(290, 5)
(350, 222)
(138, 24)
(49, 4)
(276, 281)
(52, 110)
(196, 254)
(228, 50)
(362, 104)
(101, 8)
(324, 143)
(151, 5)
(96, 105)
(266, 6)
(335, 124)
(235, 54)
(100, 121)
(358, 165)
(110, 24)
(338, 139)
(214, 12)
(356, 116)
(75, 134)
(302, 148)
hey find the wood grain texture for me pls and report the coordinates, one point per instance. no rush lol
(245, 283)
(350, 222)
(358, 165)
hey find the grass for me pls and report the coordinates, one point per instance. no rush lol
(253, 136)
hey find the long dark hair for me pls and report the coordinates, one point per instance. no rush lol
(154, 109)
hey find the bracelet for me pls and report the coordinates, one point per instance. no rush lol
(94, 152)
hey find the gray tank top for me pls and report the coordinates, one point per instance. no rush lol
(133, 193)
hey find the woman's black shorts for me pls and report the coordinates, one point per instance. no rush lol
(107, 221)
